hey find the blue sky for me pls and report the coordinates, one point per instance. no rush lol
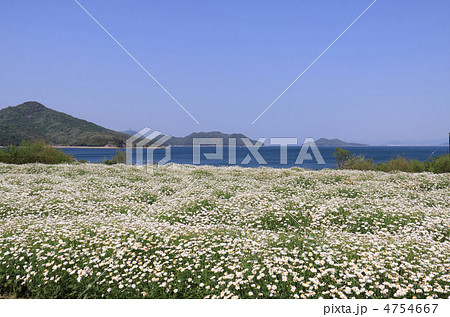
(387, 78)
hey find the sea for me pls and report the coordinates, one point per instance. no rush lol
(270, 154)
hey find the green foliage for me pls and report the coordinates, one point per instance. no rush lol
(109, 162)
(439, 164)
(34, 152)
(402, 164)
(119, 158)
(341, 156)
(418, 166)
(359, 162)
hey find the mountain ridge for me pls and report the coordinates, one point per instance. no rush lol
(32, 121)
(188, 139)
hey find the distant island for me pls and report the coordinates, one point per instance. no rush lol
(322, 142)
(188, 140)
(433, 142)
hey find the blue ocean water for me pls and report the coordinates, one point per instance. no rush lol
(271, 154)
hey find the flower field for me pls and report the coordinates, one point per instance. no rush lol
(97, 231)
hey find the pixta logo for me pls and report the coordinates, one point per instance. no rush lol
(254, 150)
(148, 141)
(136, 144)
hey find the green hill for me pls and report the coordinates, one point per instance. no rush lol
(33, 121)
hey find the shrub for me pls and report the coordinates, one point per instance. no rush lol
(402, 164)
(109, 162)
(418, 166)
(120, 157)
(341, 156)
(359, 162)
(34, 152)
(440, 164)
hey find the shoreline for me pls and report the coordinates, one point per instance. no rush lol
(86, 147)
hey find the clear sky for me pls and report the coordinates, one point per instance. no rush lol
(387, 78)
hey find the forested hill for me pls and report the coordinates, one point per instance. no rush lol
(33, 121)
